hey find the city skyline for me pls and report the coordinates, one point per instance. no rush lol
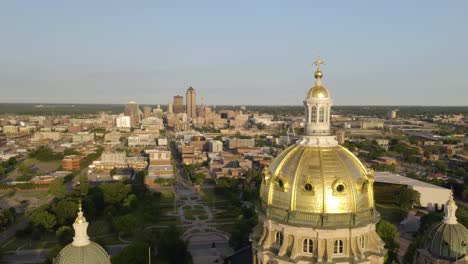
(242, 54)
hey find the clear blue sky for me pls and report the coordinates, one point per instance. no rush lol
(234, 52)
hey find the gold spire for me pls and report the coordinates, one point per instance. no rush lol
(80, 219)
(451, 201)
(318, 73)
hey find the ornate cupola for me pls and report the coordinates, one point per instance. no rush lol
(317, 112)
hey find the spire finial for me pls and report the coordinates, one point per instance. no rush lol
(319, 62)
(80, 219)
(450, 210)
(318, 73)
(81, 237)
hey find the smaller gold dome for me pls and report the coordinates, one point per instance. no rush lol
(318, 91)
(451, 201)
(80, 220)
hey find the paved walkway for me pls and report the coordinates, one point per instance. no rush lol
(206, 243)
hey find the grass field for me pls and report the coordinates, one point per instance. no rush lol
(38, 167)
(391, 212)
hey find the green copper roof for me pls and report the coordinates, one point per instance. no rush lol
(447, 241)
(89, 254)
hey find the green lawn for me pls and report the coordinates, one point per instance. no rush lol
(194, 212)
(41, 167)
(167, 196)
(47, 241)
(391, 212)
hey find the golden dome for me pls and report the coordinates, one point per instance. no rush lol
(310, 185)
(80, 220)
(318, 91)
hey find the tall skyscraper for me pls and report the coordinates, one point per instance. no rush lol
(191, 105)
(146, 111)
(178, 106)
(169, 108)
(133, 111)
(317, 199)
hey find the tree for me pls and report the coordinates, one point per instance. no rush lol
(134, 253)
(44, 153)
(407, 198)
(172, 248)
(84, 185)
(114, 193)
(64, 235)
(65, 210)
(57, 187)
(44, 219)
(199, 178)
(71, 151)
(125, 224)
(388, 232)
(7, 217)
(131, 201)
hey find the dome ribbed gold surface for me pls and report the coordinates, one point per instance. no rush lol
(89, 254)
(305, 183)
(318, 91)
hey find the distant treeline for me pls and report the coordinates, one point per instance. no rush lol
(87, 109)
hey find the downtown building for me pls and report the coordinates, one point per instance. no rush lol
(178, 105)
(191, 103)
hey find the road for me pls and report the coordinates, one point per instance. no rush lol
(4, 236)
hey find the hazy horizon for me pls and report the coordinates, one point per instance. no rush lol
(230, 105)
(397, 53)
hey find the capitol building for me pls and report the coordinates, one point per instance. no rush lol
(317, 203)
(317, 200)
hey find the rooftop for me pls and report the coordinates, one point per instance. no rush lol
(393, 178)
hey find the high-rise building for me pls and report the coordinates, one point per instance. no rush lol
(71, 162)
(170, 108)
(133, 111)
(317, 201)
(392, 114)
(158, 112)
(178, 106)
(191, 103)
(341, 136)
(3, 139)
(146, 111)
(123, 122)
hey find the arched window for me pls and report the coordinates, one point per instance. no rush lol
(362, 242)
(321, 115)
(338, 248)
(279, 239)
(308, 246)
(313, 114)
